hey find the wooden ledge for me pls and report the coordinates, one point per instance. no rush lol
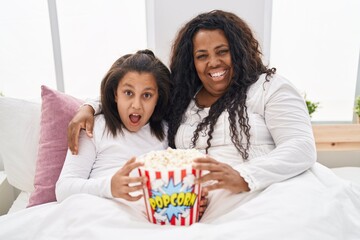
(337, 137)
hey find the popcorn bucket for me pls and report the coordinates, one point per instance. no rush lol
(171, 197)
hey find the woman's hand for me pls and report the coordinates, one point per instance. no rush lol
(122, 184)
(83, 119)
(222, 174)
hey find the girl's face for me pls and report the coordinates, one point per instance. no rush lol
(213, 61)
(136, 97)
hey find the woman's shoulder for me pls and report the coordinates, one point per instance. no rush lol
(274, 80)
(269, 84)
(266, 87)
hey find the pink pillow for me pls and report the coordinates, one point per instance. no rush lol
(57, 110)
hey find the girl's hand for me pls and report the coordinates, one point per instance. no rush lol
(222, 174)
(122, 184)
(203, 202)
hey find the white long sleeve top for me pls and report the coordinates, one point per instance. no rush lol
(100, 157)
(281, 142)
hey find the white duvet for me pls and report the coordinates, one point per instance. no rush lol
(293, 209)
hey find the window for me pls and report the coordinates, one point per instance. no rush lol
(316, 45)
(26, 59)
(92, 35)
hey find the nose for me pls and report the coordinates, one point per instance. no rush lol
(136, 103)
(214, 61)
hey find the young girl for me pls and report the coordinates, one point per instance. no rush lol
(134, 97)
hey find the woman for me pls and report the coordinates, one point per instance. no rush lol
(235, 108)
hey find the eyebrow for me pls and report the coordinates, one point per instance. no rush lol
(127, 85)
(217, 47)
(150, 88)
(131, 86)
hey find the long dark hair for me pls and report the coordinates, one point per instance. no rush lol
(143, 61)
(247, 64)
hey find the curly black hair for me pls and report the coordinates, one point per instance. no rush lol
(248, 66)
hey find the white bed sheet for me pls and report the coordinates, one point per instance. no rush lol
(299, 208)
(351, 174)
(348, 173)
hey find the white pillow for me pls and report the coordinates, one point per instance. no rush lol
(19, 139)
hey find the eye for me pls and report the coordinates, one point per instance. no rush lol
(147, 95)
(128, 93)
(223, 51)
(201, 56)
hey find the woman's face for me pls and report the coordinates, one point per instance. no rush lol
(136, 98)
(213, 60)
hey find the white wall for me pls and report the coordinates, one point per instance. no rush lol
(165, 17)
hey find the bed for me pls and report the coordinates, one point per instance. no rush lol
(258, 215)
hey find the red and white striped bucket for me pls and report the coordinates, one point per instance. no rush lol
(171, 197)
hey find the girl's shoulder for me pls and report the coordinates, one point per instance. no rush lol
(99, 120)
(99, 125)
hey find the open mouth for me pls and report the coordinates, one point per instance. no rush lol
(134, 118)
(218, 74)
